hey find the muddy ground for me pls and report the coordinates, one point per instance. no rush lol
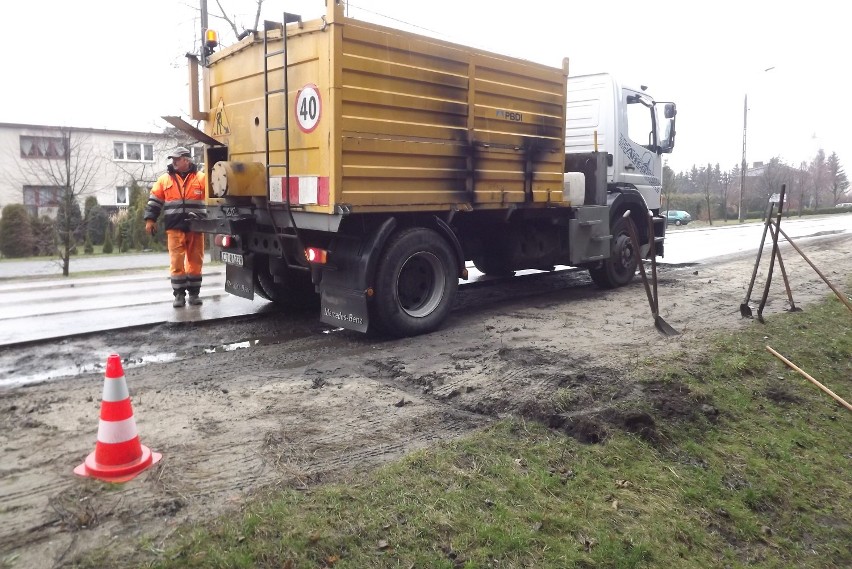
(303, 404)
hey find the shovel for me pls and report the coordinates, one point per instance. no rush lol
(774, 254)
(745, 309)
(793, 307)
(660, 324)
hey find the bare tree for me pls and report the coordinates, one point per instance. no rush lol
(669, 184)
(707, 177)
(65, 166)
(819, 177)
(725, 182)
(231, 20)
(802, 181)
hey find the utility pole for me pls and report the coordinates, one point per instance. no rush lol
(743, 166)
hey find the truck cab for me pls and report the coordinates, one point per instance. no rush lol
(628, 125)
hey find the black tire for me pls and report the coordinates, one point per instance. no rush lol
(620, 268)
(491, 265)
(295, 291)
(416, 283)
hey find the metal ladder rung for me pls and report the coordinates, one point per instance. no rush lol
(276, 91)
(276, 166)
(274, 53)
(275, 128)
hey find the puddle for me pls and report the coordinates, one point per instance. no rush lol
(232, 347)
(11, 377)
(73, 370)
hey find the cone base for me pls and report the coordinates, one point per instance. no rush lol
(120, 473)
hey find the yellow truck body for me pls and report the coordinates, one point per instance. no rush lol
(385, 120)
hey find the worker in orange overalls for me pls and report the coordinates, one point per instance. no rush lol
(179, 194)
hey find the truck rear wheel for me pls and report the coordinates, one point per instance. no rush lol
(620, 267)
(416, 282)
(295, 290)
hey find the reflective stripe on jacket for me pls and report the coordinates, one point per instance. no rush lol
(176, 198)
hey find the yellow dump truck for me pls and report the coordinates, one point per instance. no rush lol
(362, 167)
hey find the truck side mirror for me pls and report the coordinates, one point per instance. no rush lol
(670, 110)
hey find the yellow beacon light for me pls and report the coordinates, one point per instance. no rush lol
(211, 38)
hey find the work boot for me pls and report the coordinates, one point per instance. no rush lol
(195, 300)
(180, 300)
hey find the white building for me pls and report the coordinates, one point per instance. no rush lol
(36, 162)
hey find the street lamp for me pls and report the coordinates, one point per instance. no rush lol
(743, 166)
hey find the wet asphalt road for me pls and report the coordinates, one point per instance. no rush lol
(37, 303)
(51, 306)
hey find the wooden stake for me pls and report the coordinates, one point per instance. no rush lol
(815, 382)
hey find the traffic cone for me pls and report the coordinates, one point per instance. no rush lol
(119, 455)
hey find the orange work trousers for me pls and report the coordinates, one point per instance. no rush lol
(186, 256)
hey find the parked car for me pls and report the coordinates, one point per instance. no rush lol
(678, 217)
(846, 205)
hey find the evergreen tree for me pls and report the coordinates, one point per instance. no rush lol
(95, 220)
(44, 236)
(16, 237)
(838, 182)
(108, 240)
(136, 211)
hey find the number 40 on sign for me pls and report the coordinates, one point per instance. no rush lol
(308, 107)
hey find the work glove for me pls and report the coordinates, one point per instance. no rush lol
(150, 226)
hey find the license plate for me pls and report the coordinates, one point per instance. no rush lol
(233, 259)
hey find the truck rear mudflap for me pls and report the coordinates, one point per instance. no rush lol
(344, 307)
(239, 273)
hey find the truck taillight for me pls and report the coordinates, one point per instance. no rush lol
(316, 255)
(225, 240)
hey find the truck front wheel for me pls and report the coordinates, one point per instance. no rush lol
(619, 269)
(416, 282)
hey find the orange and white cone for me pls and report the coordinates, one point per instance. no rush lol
(119, 455)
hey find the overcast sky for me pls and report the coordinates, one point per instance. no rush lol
(120, 65)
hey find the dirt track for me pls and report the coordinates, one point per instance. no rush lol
(302, 406)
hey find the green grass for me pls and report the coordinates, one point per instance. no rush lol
(752, 469)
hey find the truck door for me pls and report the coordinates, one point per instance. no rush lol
(638, 147)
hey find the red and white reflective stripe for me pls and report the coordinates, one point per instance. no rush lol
(115, 389)
(114, 432)
(303, 190)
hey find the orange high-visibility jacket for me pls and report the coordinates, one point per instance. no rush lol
(180, 199)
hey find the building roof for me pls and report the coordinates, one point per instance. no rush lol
(20, 126)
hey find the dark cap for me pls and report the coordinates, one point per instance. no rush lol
(180, 151)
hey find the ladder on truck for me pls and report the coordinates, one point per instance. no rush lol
(293, 232)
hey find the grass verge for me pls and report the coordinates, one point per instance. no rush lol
(750, 469)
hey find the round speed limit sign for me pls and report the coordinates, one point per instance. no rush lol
(308, 107)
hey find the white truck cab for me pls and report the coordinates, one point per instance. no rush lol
(628, 125)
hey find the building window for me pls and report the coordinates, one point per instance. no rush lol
(133, 152)
(122, 195)
(36, 197)
(43, 147)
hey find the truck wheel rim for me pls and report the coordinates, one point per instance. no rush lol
(420, 285)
